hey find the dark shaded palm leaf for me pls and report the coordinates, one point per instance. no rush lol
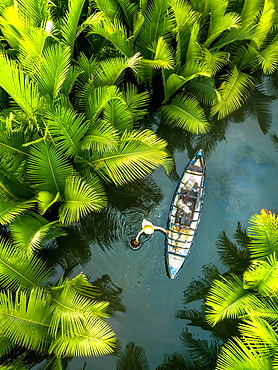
(132, 358)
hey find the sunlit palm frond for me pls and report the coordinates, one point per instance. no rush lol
(18, 271)
(69, 23)
(10, 209)
(52, 69)
(94, 100)
(163, 57)
(96, 340)
(235, 354)
(268, 58)
(110, 71)
(108, 7)
(132, 356)
(263, 231)
(203, 88)
(115, 32)
(23, 91)
(185, 112)
(31, 230)
(226, 299)
(262, 276)
(46, 200)
(81, 198)
(128, 10)
(264, 24)
(138, 154)
(215, 60)
(233, 92)
(103, 136)
(25, 311)
(12, 25)
(250, 10)
(220, 23)
(158, 23)
(71, 310)
(244, 32)
(259, 334)
(37, 11)
(67, 129)
(48, 168)
(137, 103)
(117, 113)
(31, 47)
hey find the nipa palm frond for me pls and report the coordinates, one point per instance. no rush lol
(31, 230)
(226, 299)
(268, 58)
(263, 231)
(185, 112)
(36, 11)
(24, 318)
(132, 354)
(81, 198)
(118, 115)
(67, 128)
(69, 23)
(102, 137)
(163, 57)
(23, 91)
(52, 69)
(235, 354)
(48, 168)
(96, 340)
(203, 88)
(233, 92)
(10, 209)
(137, 103)
(18, 271)
(138, 154)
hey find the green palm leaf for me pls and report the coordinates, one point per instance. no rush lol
(37, 11)
(71, 310)
(24, 319)
(48, 168)
(52, 69)
(203, 88)
(136, 102)
(235, 354)
(10, 209)
(96, 340)
(185, 112)
(226, 299)
(264, 234)
(117, 113)
(259, 334)
(162, 56)
(31, 230)
(264, 24)
(67, 128)
(158, 22)
(115, 32)
(262, 276)
(23, 91)
(101, 137)
(215, 60)
(138, 154)
(110, 71)
(233, 92)
(81, 198)
(268, 58)
(69, 23)
(12, 186)
(17, 270)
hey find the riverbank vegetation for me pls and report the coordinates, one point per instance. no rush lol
(76, 80)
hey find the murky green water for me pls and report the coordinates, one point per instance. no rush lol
(242, 179)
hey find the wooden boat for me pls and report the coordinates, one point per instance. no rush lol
(184, 215)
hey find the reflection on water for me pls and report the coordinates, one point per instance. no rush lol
(147, 308)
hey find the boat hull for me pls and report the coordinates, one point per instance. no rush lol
(184, 215)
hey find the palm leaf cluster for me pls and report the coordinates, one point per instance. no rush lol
(206, 51)
(59, 320)
(251, 298)
(69, 124)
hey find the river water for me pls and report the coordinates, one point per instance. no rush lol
(241, 179)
